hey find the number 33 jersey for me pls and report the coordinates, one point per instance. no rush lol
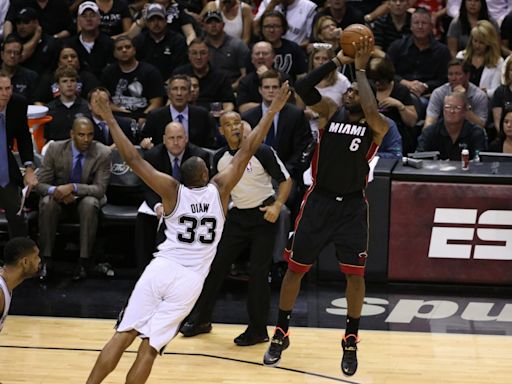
(194, 228)
(344, 152)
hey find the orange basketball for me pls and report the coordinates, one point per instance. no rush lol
(353, 33)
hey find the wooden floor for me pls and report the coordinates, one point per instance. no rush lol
(62, 350)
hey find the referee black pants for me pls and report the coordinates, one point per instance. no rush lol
(243, 227)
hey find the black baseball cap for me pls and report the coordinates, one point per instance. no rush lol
(210, 15)
(26, 14)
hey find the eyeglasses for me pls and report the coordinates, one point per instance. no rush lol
(453, 108)
(272, 26)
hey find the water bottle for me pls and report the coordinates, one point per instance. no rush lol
(476, 159)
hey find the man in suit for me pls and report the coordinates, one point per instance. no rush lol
(199, 125)
(73, 181)
(166, 157)
(101, 132)
(13, 125)
(290, 134)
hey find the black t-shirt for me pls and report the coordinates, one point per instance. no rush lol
(112, 21)
(45, 55)
(502, 97)
(290, 59)
(166, 55)
(24, 81)
(63, 117)
(353, 15)
(135, 89)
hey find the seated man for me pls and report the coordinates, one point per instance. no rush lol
(458, 81)
(166, 157)
(72, 183)
(454, 133)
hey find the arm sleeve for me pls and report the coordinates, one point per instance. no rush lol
(272, 164)
(306, 87)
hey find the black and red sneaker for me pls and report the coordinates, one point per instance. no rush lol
(349, 359)
(278, 344)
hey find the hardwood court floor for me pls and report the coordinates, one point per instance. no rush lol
(49, 350)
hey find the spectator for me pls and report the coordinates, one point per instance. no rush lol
(458, 81)
(470, 12)
(454, 133)
(503, 142)
(39, 49)
(484, 54)
(325, 30)
(194, 89)
(214, 85)
(498, 9)
(237, 16)
(158, 44)
(23, 80)
(290, 134)
(372, 9)
(438, 11)
(94, 47)
(503, 95)
(299, 15)
(251, 222)
(4, 6)
(393, 26)
(167, 156)
(136, 86)
(506, 33)
(14, 125)
(420, 61)
(115, 17)
(395, 102)
(178, 20)
(53, 15)
(101, 131)
(199, 125)
(48, 88)
(227, 53)
(262, 59)
(72, 183)
(65, 108)
(290, 58)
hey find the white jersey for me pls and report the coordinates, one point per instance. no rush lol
(194, 228)
(7, 301)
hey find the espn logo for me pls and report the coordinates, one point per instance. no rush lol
(461, 234)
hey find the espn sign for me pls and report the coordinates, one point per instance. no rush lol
(450, 233)
(464, 234)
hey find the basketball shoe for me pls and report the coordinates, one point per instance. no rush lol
(278, 344)
(349, 359)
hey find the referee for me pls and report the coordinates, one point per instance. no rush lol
(250, 222)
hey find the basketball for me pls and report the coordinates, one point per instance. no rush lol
(353, 33)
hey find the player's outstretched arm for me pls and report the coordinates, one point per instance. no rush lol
(375, 120)
(161, 183)
(230, 176)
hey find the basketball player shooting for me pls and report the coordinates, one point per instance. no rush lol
(194, 215)
(334, 209)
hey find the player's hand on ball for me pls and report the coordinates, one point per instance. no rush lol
(363, 50)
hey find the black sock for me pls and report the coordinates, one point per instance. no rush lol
(283, 320)
(352, 326)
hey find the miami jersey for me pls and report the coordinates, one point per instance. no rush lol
(194, 228)
(340, 165)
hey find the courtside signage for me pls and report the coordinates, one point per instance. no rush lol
(450, 233)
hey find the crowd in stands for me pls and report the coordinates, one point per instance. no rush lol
(442, 71)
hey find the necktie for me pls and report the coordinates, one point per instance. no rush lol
(105, 132)
(271, 136)
(4, 162)
(176, 169)
(180, 118)
(76, 172)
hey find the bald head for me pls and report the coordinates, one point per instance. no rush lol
(262, 54)
(175, 138)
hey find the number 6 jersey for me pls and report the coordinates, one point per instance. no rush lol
(194, 228)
